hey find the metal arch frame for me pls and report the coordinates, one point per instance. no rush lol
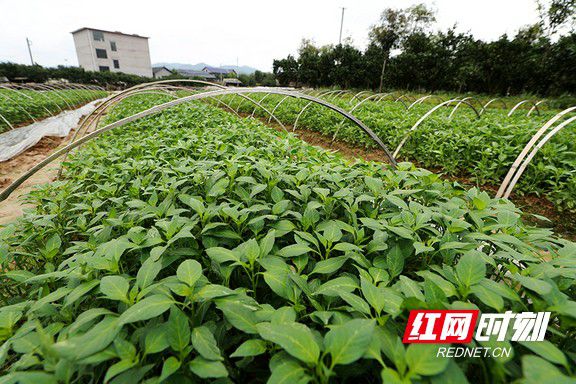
(531, 155)
(97, 113)
(34, 87)
(363, 100)
(56, 92)
(260, 102)
(491, 101)
(423, 98)
(517, 168)
(257, 104)
(413, 128)
(19, 106)
(336, 95)
(48, 98)
(114, 97)
(22, 94)
(399, 99)
(385, 95)
(464, 101)
(6, 121)
(275, 107)
(158, 108)
(524, 102)
(325, 94)
(357, 95)
(77, 99)
(535, 106)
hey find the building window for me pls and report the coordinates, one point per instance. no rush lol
(98, 36)
(104, 68)
(116, 64)
(101, 53)
(113, 46)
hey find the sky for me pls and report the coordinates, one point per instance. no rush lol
(248, 32)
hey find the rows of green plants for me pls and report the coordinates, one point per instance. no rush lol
(480, 149)
(193, 246)
(21, 107)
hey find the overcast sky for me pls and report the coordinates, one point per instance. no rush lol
(221, 32)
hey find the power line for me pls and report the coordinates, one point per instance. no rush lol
(341, 25)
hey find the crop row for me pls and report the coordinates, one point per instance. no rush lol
(193, 245)
(26, 106)
(481, 149)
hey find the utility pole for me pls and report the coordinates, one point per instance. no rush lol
(29, 51)
(382, 76)
(341, 25)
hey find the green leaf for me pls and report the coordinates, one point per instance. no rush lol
(329, 266)
(207, 369)
(252, 347)
(452, 375)
(294, 250)
(395, 260)
(222, 255)
(145, 309)
(115, 287)
(539, 286)
(177, 329)
(148, 272)
(204, 342)
(189, 271)
(239, 316)
(336, 286)
(546, 350)
(118, 368)
(356, 302)
(94, 340)
(289, 372)
(79, 292)
(156, 339)
(170, 366)
(295, 338)
(422, 360)
(488, 297)
(470, 270)
(347, 343)
(219, 187)
(538, 371)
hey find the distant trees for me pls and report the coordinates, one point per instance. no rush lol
(265, 79)
(403, 52)
(39, 74)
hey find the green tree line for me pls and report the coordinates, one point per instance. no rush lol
(39, 74)
(404, 52)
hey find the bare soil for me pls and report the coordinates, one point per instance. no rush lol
(10, 170)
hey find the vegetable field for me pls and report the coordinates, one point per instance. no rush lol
(20, 105)
(193, 245)
(452, 139)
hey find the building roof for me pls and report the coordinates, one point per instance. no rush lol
(192, 73)
(220, 71)
(115, 32)
(158, 69)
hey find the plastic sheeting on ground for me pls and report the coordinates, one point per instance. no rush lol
(18, 140)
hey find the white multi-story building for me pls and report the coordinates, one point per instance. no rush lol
(100, 50)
